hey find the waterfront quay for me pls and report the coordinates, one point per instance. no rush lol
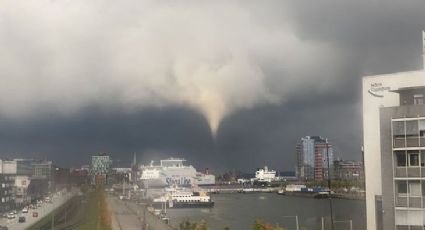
(239, 211)
(236, 188)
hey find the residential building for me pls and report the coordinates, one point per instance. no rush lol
(22, 197)
(394, 150)
(20, 167)
(44, 170)
(100, 169)
(313, 153)
(348, 170)
(7, 198)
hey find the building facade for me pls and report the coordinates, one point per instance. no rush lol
(393, 139)
(22, 197)
(100, 169)
(312, 158)
(348, 170)
(7, 197)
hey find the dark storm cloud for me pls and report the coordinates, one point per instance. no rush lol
(262, 73)
(152, 133)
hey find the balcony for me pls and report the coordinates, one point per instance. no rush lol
(401, 142)
(409, 172)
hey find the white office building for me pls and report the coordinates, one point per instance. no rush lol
(394, 150)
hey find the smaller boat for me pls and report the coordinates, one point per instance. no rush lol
(281, 191)
(324, 195)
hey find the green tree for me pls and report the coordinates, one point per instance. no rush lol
(187, 225)
(261, 225)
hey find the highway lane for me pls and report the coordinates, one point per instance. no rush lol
(122, 216)
(43, 211)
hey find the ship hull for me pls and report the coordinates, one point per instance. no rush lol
(185, 204)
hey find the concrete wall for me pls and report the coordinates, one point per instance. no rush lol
(387, 155)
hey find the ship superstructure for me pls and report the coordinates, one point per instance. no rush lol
(172, 171)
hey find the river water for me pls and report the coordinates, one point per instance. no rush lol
(239, 211)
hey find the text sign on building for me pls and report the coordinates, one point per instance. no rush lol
(376, 89)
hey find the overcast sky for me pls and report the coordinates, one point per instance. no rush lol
(224, 84)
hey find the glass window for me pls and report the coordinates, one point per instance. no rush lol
(422, 128)
(412, 128)
(413, 158)
(401, 158)
(422, 158)
(398, 128)
(423, 189)
(402, 187)
(418, 99)
(415, 188)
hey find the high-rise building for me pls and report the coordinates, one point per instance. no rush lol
(312, 158)
(100, 169)
(394, 150)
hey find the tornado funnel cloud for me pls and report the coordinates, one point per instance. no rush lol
(64, 56)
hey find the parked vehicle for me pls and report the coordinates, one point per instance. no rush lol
(11, 216)
(2, 227)
(21, 219)
(25, 210)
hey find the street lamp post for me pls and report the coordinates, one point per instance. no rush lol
(296, 220)
(329, 184)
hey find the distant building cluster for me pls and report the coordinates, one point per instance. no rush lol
(313, 153)
(24, 180)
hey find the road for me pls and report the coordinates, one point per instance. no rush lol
(43, 211)
(122, 216)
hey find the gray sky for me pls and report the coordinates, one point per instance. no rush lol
(225, 84)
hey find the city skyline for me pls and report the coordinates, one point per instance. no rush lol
(69, 98)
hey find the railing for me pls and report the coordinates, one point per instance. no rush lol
(415, 202)
(399, 142)
(401, 201)
(401, 171)
(412, 142)
(413, 172)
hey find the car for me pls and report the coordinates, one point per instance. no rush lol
(21, 219)
(25, 210)
(11, 215)
(2, 227)
(35, 214)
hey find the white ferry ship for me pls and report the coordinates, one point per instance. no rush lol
(184, 199)
(172, 171)
(265, 175)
